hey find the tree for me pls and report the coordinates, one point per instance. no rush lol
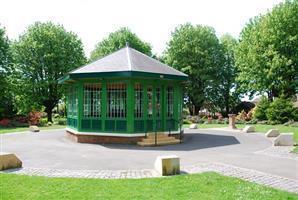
(267, 55)
(196, 51)
(118, 40)
(280, 111)
(6, 97)
(225, 95)
(261, 109)
(44, 53)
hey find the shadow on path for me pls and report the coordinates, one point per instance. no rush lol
(191, 141)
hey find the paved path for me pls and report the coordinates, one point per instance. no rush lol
(50, 152)
(278, 182)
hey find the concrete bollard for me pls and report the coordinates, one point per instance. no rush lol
(248, 129)
(167, 165)
(272, 133)
(9, 161)
(284, 139)
(33, 128)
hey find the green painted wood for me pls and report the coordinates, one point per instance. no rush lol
(128, 124)
(104, 104)
(130, 106)
(131, 74)
(80, 104)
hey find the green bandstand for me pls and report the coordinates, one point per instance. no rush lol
(123, 97)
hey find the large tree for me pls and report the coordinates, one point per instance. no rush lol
(196, 51)
(228, 89)
(118, 40)
(6, 97)
(267, 55)
(44, 53)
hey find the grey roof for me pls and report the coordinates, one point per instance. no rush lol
(127, 59)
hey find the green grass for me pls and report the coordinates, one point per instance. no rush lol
(20, 129)
(197, 186)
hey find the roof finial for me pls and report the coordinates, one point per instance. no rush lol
(127, 44)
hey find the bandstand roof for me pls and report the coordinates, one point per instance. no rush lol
(126, 62)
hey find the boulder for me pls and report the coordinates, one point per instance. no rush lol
(249, 129)
(284, 139)
(9, 161)
(167, 165)
(33, 128)
(193, 126)
(272, 133)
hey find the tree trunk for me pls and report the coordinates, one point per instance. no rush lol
(49, 115)
(197, 110)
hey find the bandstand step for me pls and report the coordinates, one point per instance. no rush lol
(161, 140)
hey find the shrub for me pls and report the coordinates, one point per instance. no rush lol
(34, 117)
(62, 121)
(261, 109)
(280, 111)
(241, 116)
(15, 123)
(4, 122)
(43, 122)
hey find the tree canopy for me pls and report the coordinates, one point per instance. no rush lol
(226, 94)
(117, 40)
(6, 97)
(267, 55)
(44, 53)
(196, 51)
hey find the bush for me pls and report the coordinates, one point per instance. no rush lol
(43, 122)
(62, 121)
(280, 111)
(34, 117)
(5, 122)
(15, 123)
(261, 109)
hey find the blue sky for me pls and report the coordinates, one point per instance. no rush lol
(153, 21)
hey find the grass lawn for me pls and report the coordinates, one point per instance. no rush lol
(197, 186)
(20, 129)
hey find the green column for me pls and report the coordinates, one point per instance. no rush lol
(164, 107)
(80, 104)
(154, 106)
(176, 104)
(130, 106)
(145, 105)
(103, 104)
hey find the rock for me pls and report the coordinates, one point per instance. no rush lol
(34, 128)
(9, 161)
(272, 133)
(193, 126)
(167, 165)
(284, 139)
(248, 129)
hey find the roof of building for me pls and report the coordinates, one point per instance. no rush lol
(128, 59)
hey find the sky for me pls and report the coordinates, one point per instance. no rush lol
(153, 20)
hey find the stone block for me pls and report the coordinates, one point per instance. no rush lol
(272, 133)
(232, 121)
(167, 165)
(33, 128)
(284, 139)
(249, 129)
(9, 161)
(193, 126)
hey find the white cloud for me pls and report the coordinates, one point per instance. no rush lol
(152, 20)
